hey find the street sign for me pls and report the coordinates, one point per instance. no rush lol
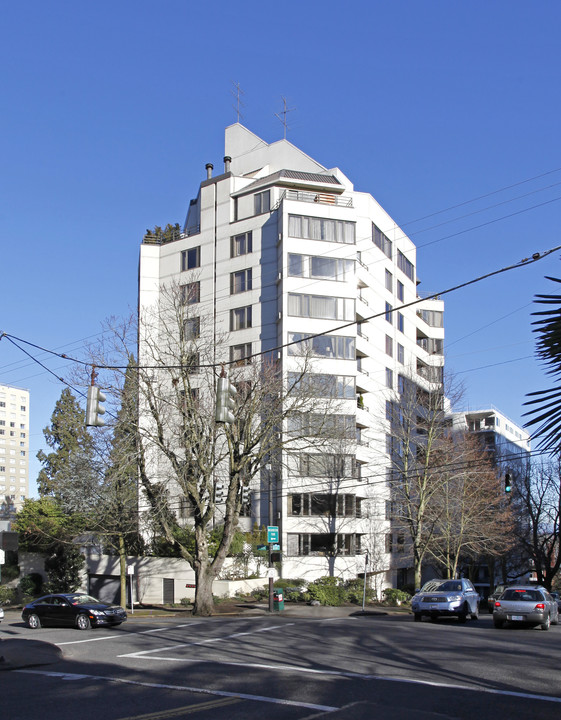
(275, 547)
(262, 547)
(2, 557)
(130, 569)
(272, 534)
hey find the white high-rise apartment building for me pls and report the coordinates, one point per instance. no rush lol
(14, 449)
(282, 247)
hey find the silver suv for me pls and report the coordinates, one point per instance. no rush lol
(446, 597)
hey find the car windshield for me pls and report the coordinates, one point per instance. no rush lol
(442, 585)
(83, 600)
(528, 595)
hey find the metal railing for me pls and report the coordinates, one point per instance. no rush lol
(321, 198)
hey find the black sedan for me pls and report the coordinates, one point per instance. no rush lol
(71, 610)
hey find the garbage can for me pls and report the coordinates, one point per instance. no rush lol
(278, 601)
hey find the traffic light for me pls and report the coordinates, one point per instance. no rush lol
(225, 401)
(94, 408)
(508, 484)
(219, 492)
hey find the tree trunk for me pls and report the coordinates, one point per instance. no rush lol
(204, 577)
(123, 571)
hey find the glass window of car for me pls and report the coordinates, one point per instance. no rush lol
(451, 586)
(528, 595)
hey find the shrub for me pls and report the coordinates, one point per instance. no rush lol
(354, 591)
(327, 591)
(393, 596)
(186, 602)
(31, 585)
(8, 595)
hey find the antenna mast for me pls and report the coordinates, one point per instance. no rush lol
(284, 113)
(237, 92)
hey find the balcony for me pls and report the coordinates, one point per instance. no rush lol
(317, 197)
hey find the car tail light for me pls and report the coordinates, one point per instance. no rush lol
(497, 603)
(540, 606)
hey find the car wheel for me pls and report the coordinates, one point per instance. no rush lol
(498, 624)
(417, 617)
(462, 617)
(83, 622)
(546, 623)
(33, 621)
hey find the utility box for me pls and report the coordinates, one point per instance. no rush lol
(278, 599)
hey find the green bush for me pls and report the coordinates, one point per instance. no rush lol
(327, 591)
(186, 602)
(8, 595)
(392, 596)
(31, 585)
(354, 591)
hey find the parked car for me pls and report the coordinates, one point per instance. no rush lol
(71, 610)
(555, 595)
(526, 604)
(446, 597)
(495, 595)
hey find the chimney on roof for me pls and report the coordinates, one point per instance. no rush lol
(209, 168)
(227, 161)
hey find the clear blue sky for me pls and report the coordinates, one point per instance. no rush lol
(111, 110)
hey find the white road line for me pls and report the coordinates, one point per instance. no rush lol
(123, 635)
(186, 688)
(140, 653)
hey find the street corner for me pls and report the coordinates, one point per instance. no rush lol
(16, 653)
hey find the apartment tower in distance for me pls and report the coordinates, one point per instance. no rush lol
(14, 449)
(277, 248)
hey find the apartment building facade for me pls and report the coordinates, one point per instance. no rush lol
(278, 248)
(14, 449)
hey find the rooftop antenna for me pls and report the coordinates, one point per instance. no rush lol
(237, 92)
(284, 113)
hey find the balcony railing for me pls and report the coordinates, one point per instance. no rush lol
(321, 198)
(151, 238)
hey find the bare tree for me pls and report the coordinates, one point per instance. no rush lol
(183, 456)
(472, 518)
(537, 498)
(417, 444)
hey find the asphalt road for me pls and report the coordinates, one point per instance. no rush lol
(286, 667)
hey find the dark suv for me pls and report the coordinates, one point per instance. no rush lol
(446, 597)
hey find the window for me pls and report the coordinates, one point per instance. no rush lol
(327, 465)
(262, 202)
(323, 544)
(191, 293)
(321, 307)
(322, 385)
(389, 345)
(22, 408)
(400, 322)
(2, 404)
(240, 281)
(240, 318)
(241, 354)
(389, 309)
(405, 266)
(313, 228)
(400, 291)
(192, 363)
(322, 425)
(192, 328)
(191, 259)
(389, 281)
(241, 244)
(328, 346)
(389, 543)
(321, 268)
(389, 377)
(434, 318)
(400, 354)
(381, 241)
